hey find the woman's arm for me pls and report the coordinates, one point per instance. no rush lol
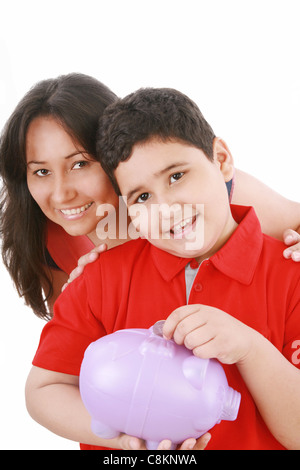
(276, 213)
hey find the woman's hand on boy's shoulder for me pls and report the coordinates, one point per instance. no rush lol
(292, 239)
(88, 258)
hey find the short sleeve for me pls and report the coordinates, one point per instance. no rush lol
(74, 326)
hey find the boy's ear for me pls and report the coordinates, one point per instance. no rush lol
(222, 155)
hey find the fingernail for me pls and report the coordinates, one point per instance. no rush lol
(192, 445)
(289, 239)
(132, 444)
(166, 445)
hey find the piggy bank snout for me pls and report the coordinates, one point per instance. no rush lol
(231, 405)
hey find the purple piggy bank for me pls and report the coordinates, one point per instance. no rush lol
(136, 382)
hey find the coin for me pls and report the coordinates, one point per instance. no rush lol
(158, 328)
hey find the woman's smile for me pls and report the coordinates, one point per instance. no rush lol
(75, 212)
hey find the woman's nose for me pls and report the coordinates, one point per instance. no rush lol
(62, 191)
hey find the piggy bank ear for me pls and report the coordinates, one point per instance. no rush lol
(194, 370)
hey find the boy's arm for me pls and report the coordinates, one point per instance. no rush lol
(275, 213)
(274, 384)
(272, 380)
(53, 400)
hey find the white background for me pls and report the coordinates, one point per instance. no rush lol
(238, 59)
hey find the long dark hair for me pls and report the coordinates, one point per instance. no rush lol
(76, 101)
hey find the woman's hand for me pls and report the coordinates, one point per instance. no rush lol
(83, 261)
(292, 240)
(133, 443)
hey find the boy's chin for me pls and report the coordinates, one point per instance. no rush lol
(186, 250)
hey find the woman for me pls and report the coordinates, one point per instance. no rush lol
(53, 186)
(74, 104)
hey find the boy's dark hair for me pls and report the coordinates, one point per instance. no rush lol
(162, 113)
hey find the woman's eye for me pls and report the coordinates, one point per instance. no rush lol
(79, 165)
(176, 177)
(143, 197)
(42, 172)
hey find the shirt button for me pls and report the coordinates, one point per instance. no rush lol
(194, 264)
(198, 287)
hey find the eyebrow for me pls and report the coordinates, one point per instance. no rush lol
(156, 175)
(66, 158)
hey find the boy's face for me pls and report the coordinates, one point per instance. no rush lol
(177, 198)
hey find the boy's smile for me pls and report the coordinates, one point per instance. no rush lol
(183, 228)
(177, 197)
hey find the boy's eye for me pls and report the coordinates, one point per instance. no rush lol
(143, 197)
(176, 177)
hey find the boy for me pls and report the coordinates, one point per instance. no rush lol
(243, 297)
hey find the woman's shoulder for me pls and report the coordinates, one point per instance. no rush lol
(65, 249)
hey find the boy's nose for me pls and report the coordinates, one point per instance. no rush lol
(169, 210)
(167, 199)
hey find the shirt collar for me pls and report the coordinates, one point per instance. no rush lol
(237, 259)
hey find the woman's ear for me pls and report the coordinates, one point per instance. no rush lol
(222, 155)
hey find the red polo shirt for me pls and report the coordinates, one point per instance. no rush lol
(64, 249)
(136, 284)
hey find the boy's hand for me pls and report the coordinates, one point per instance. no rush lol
(210, 333)
(133, 443)
(292, 239)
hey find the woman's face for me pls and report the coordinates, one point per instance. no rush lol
(64, 180)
